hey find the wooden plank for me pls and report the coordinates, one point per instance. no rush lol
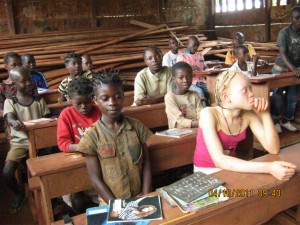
(10, 15)
(268, 6)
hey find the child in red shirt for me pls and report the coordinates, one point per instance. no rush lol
(74, 120)
(72, 123)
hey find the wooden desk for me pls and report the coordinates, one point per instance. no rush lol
(151, 115)
(260, 85)
(240, 210)
(60, 174)
(41, 135)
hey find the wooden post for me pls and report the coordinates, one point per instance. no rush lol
(268, 6)
(93, 14)
(10, 16)
(212, 24)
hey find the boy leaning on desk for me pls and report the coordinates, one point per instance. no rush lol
(24, 105)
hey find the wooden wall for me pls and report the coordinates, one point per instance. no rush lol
(35, 16)
(251, 23)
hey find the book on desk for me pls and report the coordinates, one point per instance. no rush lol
(134, 209)
(39, 121)
(176, 132)
(195, 191)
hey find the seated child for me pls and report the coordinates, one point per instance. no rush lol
(28, 62)
(238, 39)
(247, 68)
(223, 126)
(115, 148)
(87, 66)
(22, 106)
(74, 66)
(182, 105)
(72, 123)
(170, 57)
(151, 84)
(7, 88)
(196, 61)
(74, 120)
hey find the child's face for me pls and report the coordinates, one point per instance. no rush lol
(242, 55)
(74, 67)
(29, 63)
(240, 92)
(153, 60)
(238, 40)
(110, 100)
(12, 63)
(193, 46)
(173, 46)
(183, 80)
(87, 64)
(295, 20)
(24, 82)
(82, 103)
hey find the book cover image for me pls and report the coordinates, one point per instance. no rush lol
(134, 209)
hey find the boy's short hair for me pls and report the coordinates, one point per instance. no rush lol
(10, 55)
(295, 9)
(108, 78)
(181, 65)
(26, 55)
(240, 47)
(72, 55)
(80, 86)
(157, 49)
(194, 38)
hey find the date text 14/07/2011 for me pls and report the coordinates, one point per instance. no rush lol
(245, 193)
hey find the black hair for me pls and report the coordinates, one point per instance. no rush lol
(72, 55)
(81, 86)
(10, 55)
(27, 55)
(240, 34)
(181, 65)
(154, 47)
(194, 38)
(296, 8)
(110, 77)
(240, 47)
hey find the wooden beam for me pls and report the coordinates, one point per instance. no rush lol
(268, 6)
(10, 17)
(93, 13)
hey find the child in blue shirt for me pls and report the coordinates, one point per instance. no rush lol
(28, 62)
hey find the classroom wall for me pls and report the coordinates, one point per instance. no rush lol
(251, 23)
(35, 16)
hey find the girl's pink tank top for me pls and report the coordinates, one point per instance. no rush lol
(229, 142)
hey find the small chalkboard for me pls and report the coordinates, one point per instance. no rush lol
(193, 186)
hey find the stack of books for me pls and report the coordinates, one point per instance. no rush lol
(195, 192)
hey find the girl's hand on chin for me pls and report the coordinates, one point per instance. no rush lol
(260, 105)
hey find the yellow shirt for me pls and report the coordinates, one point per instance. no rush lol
(120, 154)
(181, 110)
(231, 59)
(146, 83)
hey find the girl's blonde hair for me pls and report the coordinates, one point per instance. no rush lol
(222, 82)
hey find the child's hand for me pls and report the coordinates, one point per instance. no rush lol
(143, 101)
(282, 170)
(297, 72)
(18, 125)
(217, 67)
(260, 104)
(263, 62)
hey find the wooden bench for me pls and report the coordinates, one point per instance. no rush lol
(256, 209)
